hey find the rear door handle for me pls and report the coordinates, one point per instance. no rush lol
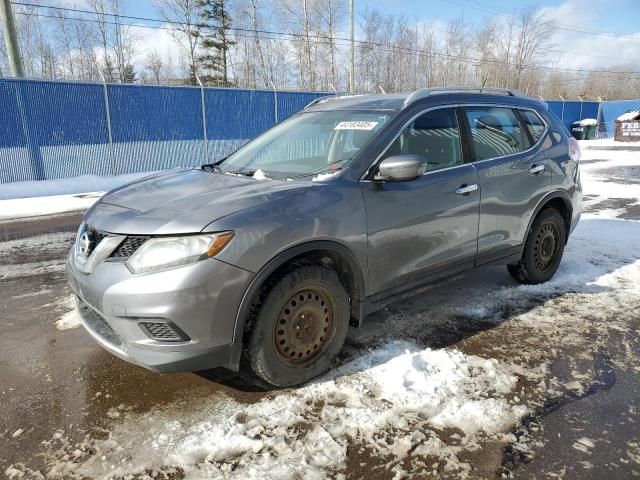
(467, 189)
(536, 169)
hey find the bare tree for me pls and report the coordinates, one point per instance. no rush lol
(154, 65)
(183, 16)
(533, 40)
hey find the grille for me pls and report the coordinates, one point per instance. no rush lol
(97, 324)
(128, 247)
(95, 236)
(163, 332)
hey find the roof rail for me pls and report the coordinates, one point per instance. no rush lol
(315, 101)
(327, 98)
(425, 92)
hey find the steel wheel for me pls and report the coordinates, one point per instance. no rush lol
(546, 247)
(298, 326)
(543, 249)
(305, 326)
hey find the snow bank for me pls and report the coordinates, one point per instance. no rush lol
(64, 186)
(32, 207)
(305, 433)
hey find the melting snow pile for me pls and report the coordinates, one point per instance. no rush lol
(397, 389)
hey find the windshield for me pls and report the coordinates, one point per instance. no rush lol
(306, 144)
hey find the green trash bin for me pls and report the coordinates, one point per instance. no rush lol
(590, 127)
(577, 130)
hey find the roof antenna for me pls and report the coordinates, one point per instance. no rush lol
(381, 89)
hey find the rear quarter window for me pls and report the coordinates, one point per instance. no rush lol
(533, 123)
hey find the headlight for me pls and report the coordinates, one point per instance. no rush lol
(167, 252)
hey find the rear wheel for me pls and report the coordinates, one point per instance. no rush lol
(299, 327)
(543, 249)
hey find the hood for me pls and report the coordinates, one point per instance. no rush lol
(181, 202)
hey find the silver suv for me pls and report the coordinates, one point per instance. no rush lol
(264, 259)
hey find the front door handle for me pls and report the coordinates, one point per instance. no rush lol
(467, 189)
(536, 169)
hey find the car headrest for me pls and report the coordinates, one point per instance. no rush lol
(490, 121)
(360, 138)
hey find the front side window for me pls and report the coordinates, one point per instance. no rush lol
(306, 144)
(533, 123)
(434, 136)
(495, 131)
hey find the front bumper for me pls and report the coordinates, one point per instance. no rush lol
(200, 301)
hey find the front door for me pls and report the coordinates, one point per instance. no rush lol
(422, 229)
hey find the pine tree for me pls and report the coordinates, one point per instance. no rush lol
(129, 74)
(216, 41)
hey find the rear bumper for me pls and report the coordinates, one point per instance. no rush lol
(198, 301)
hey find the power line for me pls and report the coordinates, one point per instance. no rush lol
(247, 30)
(335, 40)
(563, 26)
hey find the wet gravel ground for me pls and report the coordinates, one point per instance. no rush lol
(583, 421)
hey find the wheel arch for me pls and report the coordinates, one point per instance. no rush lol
(560, 201)
(344, 261)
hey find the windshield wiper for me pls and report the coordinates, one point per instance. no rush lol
(213, 166)
(244, 173)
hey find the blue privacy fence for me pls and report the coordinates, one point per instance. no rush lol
(52, 130)
(605, 112)
(570, 111)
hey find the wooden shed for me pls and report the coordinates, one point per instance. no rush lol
(628, 127)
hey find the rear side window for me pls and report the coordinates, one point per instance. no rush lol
(495, 131)
(435, 136)
(533, 123)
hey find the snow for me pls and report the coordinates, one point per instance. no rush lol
(584, 444)
(65, 186)
(71, 318)
(260, 175)
(630, 115)
(587, 122)
(605, 142)
(32, 207)
(388, 388)
(325, 176)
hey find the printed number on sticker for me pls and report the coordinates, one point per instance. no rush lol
(355, 125)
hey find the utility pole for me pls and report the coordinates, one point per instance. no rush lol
(352, 67)
(11, 38)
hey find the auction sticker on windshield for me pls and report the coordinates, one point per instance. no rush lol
(355, 125)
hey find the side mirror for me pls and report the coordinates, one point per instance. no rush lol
(401, 168)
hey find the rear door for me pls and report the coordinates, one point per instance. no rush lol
(425, 228)
(513, 172)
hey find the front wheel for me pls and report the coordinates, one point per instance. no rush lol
(300, 326)
(543, 249)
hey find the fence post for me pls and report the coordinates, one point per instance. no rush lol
(598, 116)
(581, 102)
(275, 100)
(204, 121)
(107, 110)
(37, 165)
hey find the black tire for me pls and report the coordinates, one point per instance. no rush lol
(299, 326)
(543, 249)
